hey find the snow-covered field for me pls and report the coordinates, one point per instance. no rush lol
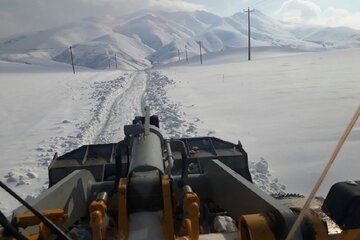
(288, 111)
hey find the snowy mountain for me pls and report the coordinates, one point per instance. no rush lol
(57, 38)
(153, 31)
(268, 31)
(338, 37)
(156, 37)
(49, 43)
(100, 53)
(330, 37)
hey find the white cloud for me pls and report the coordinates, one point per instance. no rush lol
(30, 15)
(175, 5)
(340, 17)
(299, 11)
(306, 11)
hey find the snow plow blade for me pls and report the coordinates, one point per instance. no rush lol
(101, 159)
(148, 187)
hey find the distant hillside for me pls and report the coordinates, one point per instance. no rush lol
(156, 37)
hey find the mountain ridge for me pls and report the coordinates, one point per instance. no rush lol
(150, 37)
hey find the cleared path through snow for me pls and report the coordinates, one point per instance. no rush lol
(124, 108)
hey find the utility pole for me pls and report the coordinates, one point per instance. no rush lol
(72, 60)
(249, 43)
(179, 55)
(109, 61)
(186, 54)
(115, 61)
(201, 60)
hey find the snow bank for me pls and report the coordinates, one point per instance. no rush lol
(174, 122)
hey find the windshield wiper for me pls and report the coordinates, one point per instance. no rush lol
(57, 231)
(9, 229)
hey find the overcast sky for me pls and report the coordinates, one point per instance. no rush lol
(18, 16)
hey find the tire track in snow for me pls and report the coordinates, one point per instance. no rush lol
(110, 106)
(101, 96)
(123, 110)
(68, 134)
(105, 97)
(146, 88)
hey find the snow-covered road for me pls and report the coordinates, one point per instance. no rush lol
(67, 111)
(64, 112)
(125, 105)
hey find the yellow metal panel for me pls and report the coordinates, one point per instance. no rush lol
(123, 221)
(24, 220)
(168, 215)
(318, 226)
(190, 225)
(27, 219)
(349, 234)
(254, 227)
(97, 212)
